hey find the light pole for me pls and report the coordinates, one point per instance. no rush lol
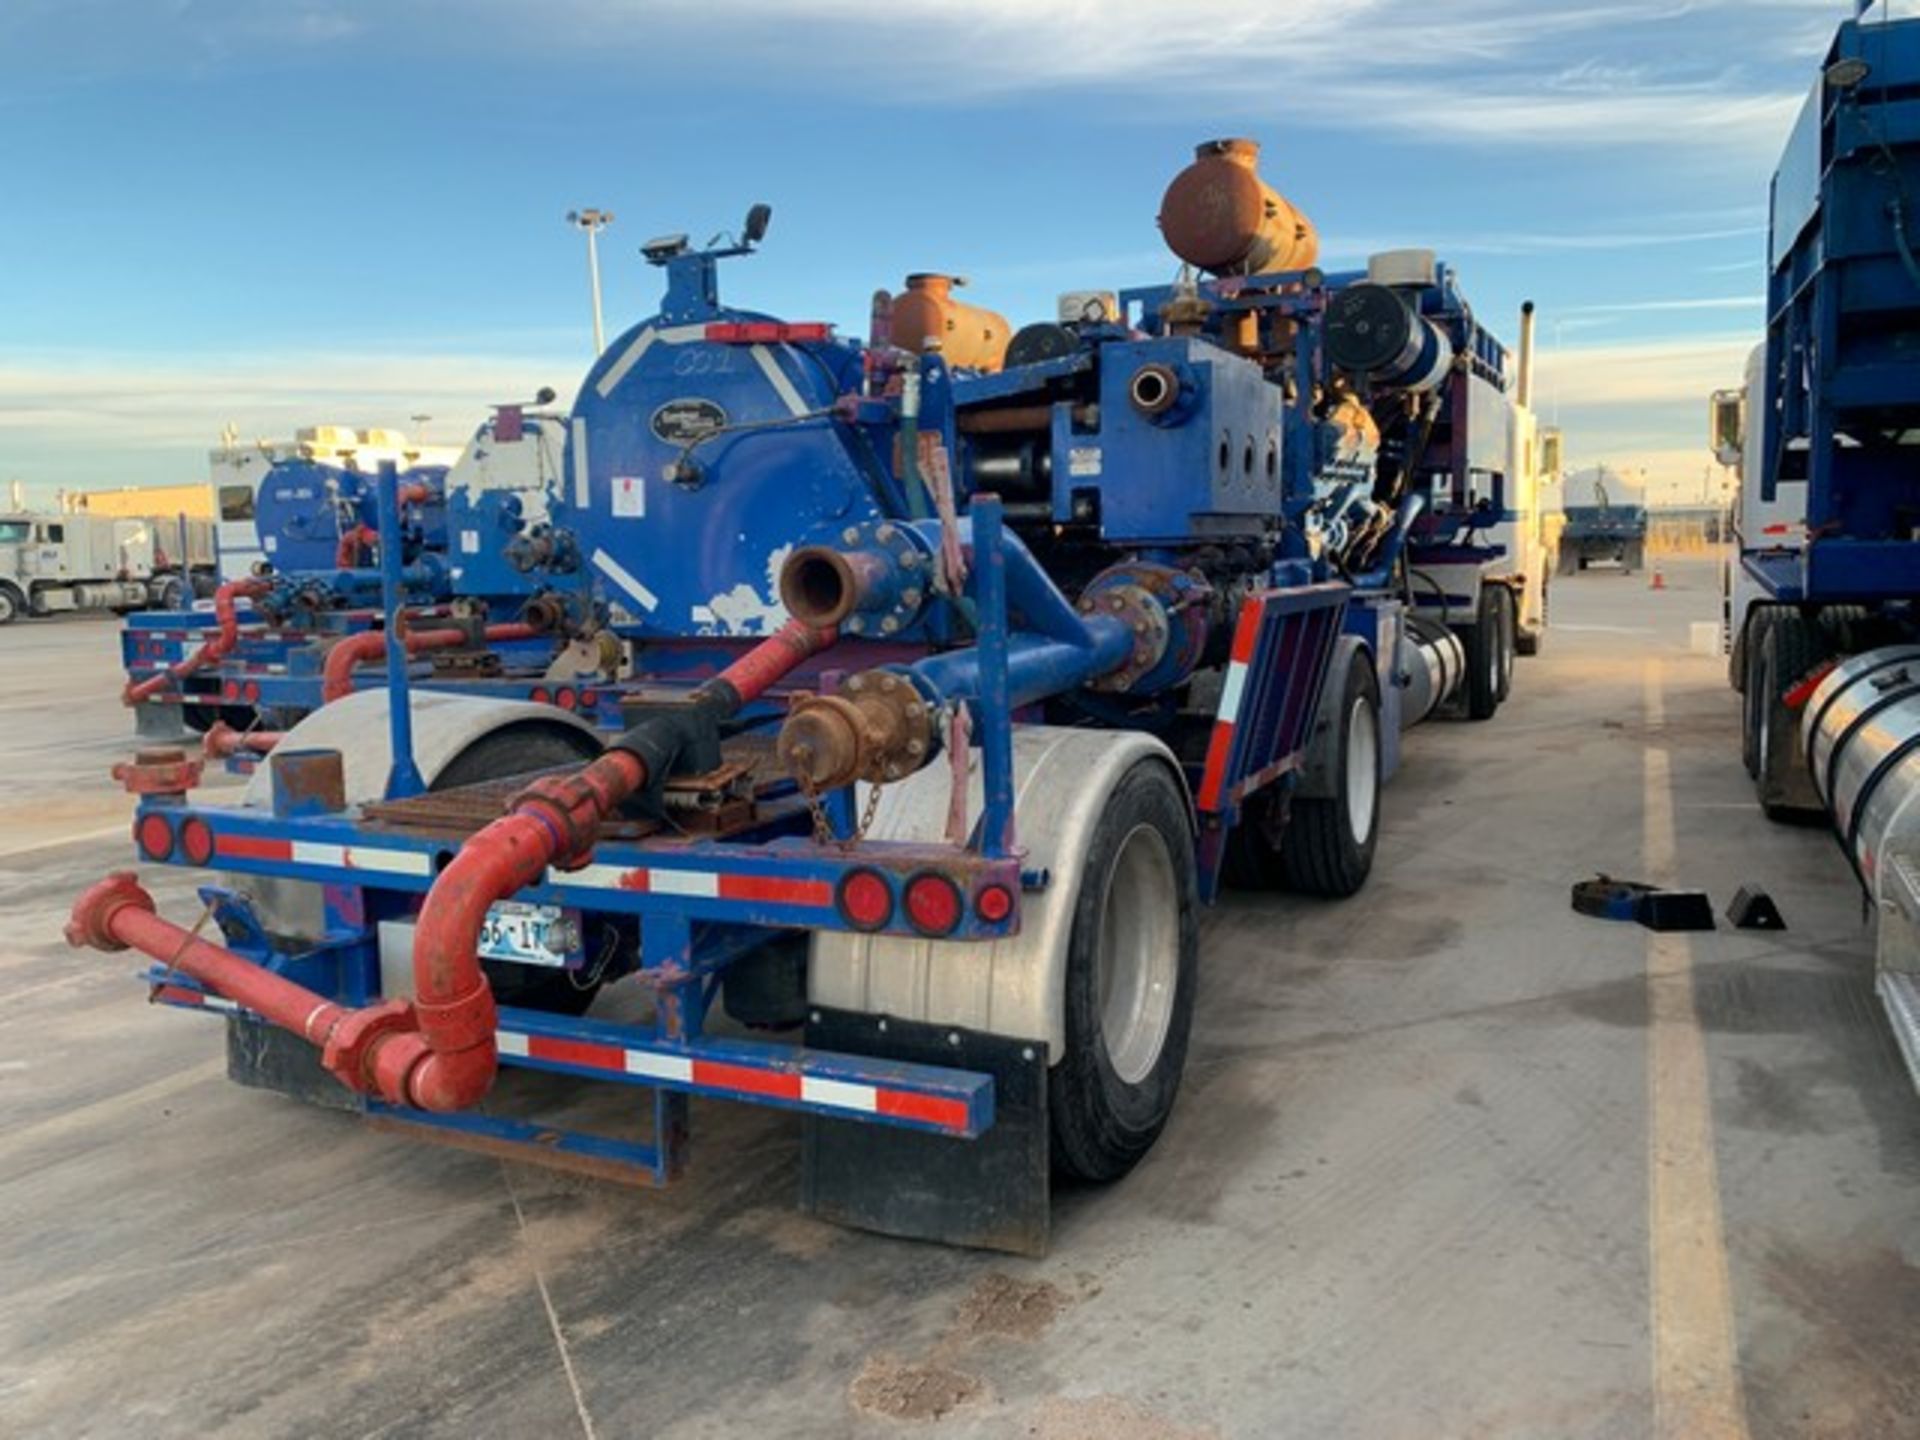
(593, 222)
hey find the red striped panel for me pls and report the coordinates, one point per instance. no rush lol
(942, 1110)
(576, 1052)
(1246, 634)
(776, 890)
(777, 1084)
(1215, 774)
(635, 880)
(252, 847)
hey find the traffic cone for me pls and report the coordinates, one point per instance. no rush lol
(1659, 581)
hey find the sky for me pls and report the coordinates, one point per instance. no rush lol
(277, 213)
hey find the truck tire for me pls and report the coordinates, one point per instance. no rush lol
(1633, 556)
(12, 603)
(1486, 656)
(1790, 649)
(494, 757)
(1327, 848)
(1132, 966)
(1509, 636)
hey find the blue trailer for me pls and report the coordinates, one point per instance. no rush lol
(952, 693)
(1827, 437)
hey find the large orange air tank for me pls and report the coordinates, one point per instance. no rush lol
(1219, 216)
(970, 337)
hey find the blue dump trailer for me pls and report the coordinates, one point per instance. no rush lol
(1826, 433)
(957, 670)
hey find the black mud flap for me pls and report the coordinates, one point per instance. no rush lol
(266, 1057)
(990, 1193)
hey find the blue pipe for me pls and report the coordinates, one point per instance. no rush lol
(403, 775)
(995, 676)
(1037, 668)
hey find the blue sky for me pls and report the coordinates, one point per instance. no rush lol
(350, 211)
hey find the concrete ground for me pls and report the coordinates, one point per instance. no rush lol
(1450, 1160)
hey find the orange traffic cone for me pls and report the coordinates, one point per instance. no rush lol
(1659, 581)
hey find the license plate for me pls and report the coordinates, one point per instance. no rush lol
(531, 934)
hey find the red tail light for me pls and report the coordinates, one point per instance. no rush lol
(933, 904)
(154, 836)
(251, 690)
(994, 904)
(196, 841)
(565, 699)
(541, 695)
(866, 900)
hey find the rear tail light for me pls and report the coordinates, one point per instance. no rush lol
(196, 841)
(994, 904)
(866, 900)
(541, 695)
(154, 836)
(565, 699)
(251, 690)
(589, 699)
(933, 904)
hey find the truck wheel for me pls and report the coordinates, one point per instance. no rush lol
(1485, 656)
(1790, 649)
(1565, 563)
(1132, 965)
(1329, 842)
(494, 757)
(10, 604)
(1509, 632)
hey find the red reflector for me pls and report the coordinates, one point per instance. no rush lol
(933, 904)
(866, 899)
(541, 695)
(251, 690)
(565, 699)
(230, 690)
(767, 332)
(589, 699)
(994, 903)
(196, 841)
(154, 836)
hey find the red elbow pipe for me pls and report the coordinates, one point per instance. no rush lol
(352, 542)
(336, 676)
(223, 741)
(218, 648)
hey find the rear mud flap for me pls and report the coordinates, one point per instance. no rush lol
(991, 1193)
(265, 1057)
(166, 721)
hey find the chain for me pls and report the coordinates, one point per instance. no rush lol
(823, 827)
(168, 965)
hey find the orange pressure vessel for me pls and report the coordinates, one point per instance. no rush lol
(1219, 216)
(969, 336)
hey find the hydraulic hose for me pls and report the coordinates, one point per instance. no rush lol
(336, 676)
(214, 650)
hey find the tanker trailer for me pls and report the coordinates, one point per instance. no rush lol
(955, 691)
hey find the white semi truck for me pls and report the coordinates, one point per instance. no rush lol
(50, 563)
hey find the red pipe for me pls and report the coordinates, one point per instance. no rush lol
(352, 542)
(216, 649)
(223, 740)
(336, 677)
(436, 1052)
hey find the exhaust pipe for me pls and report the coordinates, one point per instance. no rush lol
(1523, 388)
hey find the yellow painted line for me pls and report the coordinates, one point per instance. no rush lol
(1696, 1380)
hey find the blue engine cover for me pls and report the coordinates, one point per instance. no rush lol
(304, 507)
(700, 554)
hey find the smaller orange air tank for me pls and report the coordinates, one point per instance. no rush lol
(1219, 216)
(969, 336)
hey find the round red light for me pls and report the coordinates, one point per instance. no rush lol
(866, 900)
(994, 903)
(154, 836)
(589, 699)
(230, 690)
(933, 904)
(541, 695)
(251, 690)
(565, 699)
(196, 841)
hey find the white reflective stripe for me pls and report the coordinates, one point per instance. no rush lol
(593, 877)
(618, 371)
(660, 1067)
(625, 579)
(581, 475)
(776, 377)
(360, 857)
(214, 1002)
(1230, 691)
(702, 884)
(840, 1094)
(511, 1042)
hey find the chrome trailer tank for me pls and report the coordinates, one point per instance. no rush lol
(1860, 734)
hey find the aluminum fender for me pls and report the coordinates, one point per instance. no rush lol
(1013, 987)
(443, 726)
(356, 726)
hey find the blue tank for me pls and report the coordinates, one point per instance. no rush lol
(305, 508)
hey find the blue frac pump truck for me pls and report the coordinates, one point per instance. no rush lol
(1826, 434)
(495, 599)
(961, 669)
